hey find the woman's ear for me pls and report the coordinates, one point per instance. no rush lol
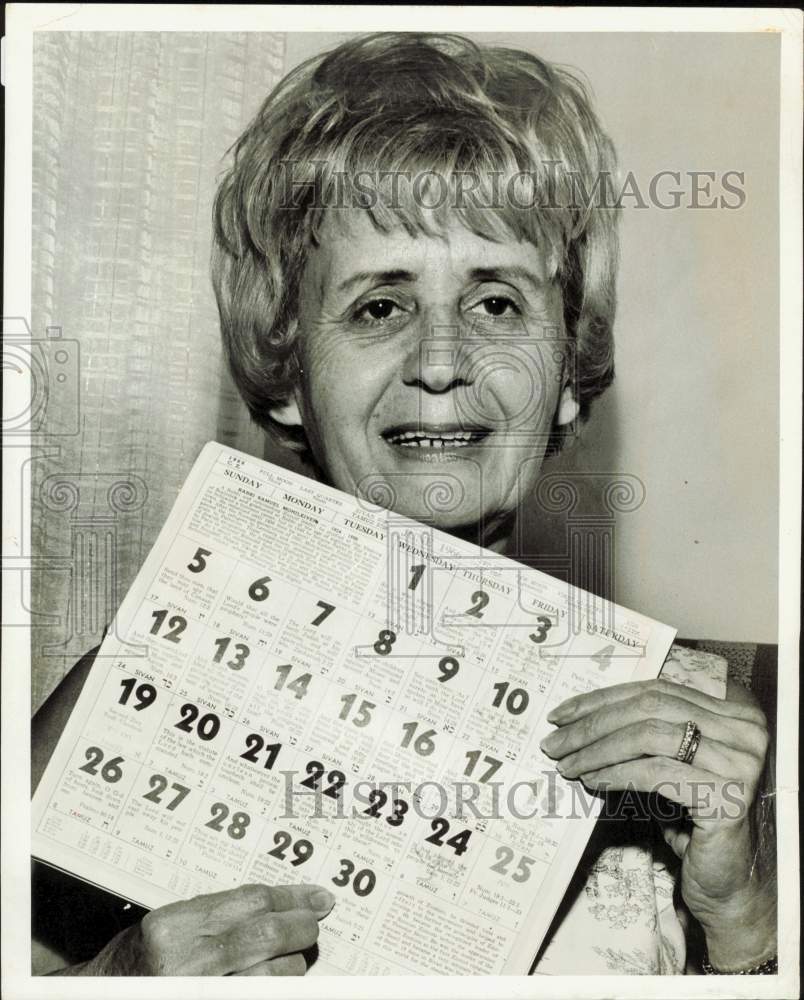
(288, 414)
(568, 407)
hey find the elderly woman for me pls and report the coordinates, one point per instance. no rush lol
(415, 268)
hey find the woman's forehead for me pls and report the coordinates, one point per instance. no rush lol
(351, 244)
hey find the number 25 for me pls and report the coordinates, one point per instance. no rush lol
(505, 856)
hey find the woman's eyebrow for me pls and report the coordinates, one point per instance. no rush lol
(394, 277)
(505, 274)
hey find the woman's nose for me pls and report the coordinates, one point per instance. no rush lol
(437, 358)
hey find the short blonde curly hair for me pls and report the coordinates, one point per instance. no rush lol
(424, 107)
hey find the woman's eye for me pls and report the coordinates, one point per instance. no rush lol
(497, 305)
(377, 310)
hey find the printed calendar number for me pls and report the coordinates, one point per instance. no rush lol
(362, 716)
(207, 726)
(505, 856)
(315, 772)
(479, 601)
(255, 745)
(302, 849)
(378, 799)
(423, 744)
(199, 561)
(448, 667)
(473, 756)
(545, 624)
(298, 685)
(459, 842)
(158, 784)
(241, 653)
(237, 826)
(259, 591)
(175, 626)
(363, 881)
(516, 700)
(326, 611)
(111, 770)
(416, 573)
(385, 641)
(603, 657)
(144, 694)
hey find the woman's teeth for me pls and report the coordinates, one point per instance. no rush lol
(452, 439)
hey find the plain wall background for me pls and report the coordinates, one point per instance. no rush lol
(694, 409)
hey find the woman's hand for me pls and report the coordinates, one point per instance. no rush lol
(627, 737)
(254, 930)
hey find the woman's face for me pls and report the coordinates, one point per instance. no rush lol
(432, 368)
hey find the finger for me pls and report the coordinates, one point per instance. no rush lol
(267, 936)
(653, 704)
(699, 790)
(285, 965)
(299, 897)
(656, 738)
(583, 704)
(214, 911)
(676, 836)
(222, 910)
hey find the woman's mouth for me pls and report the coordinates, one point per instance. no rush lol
(432, 437)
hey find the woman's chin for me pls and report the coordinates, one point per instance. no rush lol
(469, 521)
(451, 500)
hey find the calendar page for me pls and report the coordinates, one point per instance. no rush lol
(301, 686)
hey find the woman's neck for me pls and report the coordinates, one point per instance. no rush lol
(495, 535)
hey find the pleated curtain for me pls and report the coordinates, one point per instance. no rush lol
(130, 132)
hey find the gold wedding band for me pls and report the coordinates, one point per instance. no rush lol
(689, 743)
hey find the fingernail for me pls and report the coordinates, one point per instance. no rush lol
(552, 742)
(322, 900)
(561, 713)
(567, 768)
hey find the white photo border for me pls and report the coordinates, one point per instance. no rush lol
(23, 20)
